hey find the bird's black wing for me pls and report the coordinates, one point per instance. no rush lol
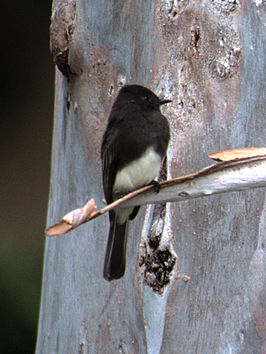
(109, 162)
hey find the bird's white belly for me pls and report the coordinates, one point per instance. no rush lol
(138, 173)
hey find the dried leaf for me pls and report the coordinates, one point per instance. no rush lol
(72, 219)
(234, 154)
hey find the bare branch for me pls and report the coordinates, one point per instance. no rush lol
(226, 176)
(219, 178)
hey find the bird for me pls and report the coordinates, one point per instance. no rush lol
(133, 148)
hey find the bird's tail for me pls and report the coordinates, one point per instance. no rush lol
(115, 257)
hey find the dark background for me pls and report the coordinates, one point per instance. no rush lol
(25, 131)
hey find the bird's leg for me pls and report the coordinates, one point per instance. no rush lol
(156, 186)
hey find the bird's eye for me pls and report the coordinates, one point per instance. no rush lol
(146, 98)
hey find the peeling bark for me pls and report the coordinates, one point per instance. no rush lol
(208, 57)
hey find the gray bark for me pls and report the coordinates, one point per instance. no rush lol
(208, 57)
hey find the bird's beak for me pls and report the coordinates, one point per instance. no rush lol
(165, 101)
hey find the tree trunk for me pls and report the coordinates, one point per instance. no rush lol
(207, 295)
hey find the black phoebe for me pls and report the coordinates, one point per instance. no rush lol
(133, 148)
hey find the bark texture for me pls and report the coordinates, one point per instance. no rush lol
(196, 283)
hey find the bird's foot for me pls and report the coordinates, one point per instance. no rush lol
(156, 186)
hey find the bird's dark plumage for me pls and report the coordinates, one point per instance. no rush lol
(133, 148)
